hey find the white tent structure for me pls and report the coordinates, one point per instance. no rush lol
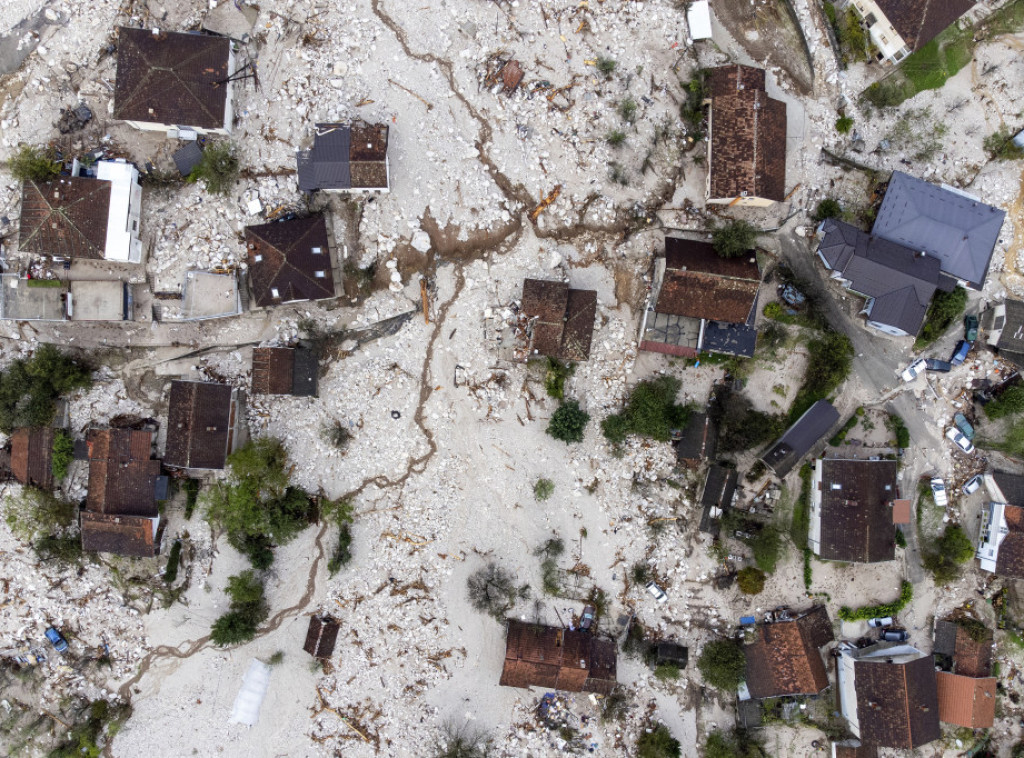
(246, 709)
(698, 17)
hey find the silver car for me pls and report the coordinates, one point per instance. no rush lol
(657, 593)
(972, 485)
(911, 372)
(959, 439)
(939, 492)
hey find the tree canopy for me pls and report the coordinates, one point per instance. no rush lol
(30, 387)
(722, 664)
(651, 411)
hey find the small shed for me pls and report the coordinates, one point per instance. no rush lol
(322, 634)
(698, 16)
(670, 652)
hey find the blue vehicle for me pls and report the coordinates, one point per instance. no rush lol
(963, 347)
(57, 640)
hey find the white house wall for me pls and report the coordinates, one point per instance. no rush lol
(814, 533)
(123, 215)
(883, 35)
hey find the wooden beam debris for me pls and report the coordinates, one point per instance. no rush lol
(552, 196)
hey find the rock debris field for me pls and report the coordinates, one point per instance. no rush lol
(446, 484)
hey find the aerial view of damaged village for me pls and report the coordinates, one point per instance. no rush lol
(512, 378)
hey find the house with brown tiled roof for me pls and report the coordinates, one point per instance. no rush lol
(173, 80)
(556, 658)
(204, 425)
(290, 261)
(321, 636)
(32, 456)
(1001, 538)
(284, 371)
(963, 650)
(746, 140)
(121, 514)
(899, 27)
(346, 158)
(560, 320)
(785, 657)
(701, 301)
(852, 510)
(966, 701)
(887, 694)
(84, 216)
(853, 749)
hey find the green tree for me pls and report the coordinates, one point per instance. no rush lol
(555, 376)
(750, 580)
(493, 590)
(827, 208)
(722, 664)
(651, 411)
(34, 513)
(735, 744)
(218, 168)
(1010, 403)
(831, 357)
(255, 505)
(657, 742)
(734, 239)
(247, 610)
(844, 124)
(33, 164)
(945, 308)
(568, 422)
(30, 387)
(341, 512)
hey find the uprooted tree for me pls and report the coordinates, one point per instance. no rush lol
(493, 590)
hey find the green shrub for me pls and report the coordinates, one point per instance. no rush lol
(615, 138)
(554, 378)
(692, 109)
(734, 239)
(605, 65)
(767, 547)
(657, 742)
(30, 387)
(666, 672)
(844, 124)
(737, 744)
(218, 168)
(63, 454)
(543, 489)
(33, 164)
(827, 208)
(945, 308)
(750, 580)
(651, 411)
(830, 359)
(744, 428)
(808, 570)
(946, 554)
(568, 422)
(897, 427)
(999, 146)
(722, 664)
(247, 610)
(840, 437)
(627, 109)
(191, 487)
(1012, 441)
(342, 553)
(1010, 403)
(901, 540)
(171, 572)
(873, 611)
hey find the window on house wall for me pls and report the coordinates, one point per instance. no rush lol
(870, 20)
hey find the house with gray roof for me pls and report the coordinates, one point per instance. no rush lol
(1004, 330)
(800, 438)
(896, 282)
(346, 158)
(942, 221)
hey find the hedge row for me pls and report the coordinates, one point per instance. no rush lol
(876, 611)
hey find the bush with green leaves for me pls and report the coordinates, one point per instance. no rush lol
(543, 489)
(1000, 146)
(944, 556)
(33, 164)
(62, 454)
(735, 744)
(568, 422)
(247, 610)
(886, 609)
(30, 387)
(171, 572)
(34, 513)
(605, 65)
(492, 590)
(945, 308)
(734, 239)
(1010, 403)
(844, 124)
(651, 411)
(742, 427)
(82, 741)
(692, 109)
(218, 168)
(897, 426)
(341, 513)
(722, 664)
(656, 741)
(666, 672)
(615, 138)
(827, 208)
(831, 357)
(555, 376)
(750, 580)
(901, 540)
(191, 488)
(627, 109)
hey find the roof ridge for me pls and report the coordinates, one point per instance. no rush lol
(150, 67)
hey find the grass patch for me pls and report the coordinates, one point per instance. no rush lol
(801, 522)
(840, 436)
(63, 454)
(543, 489)
(945, 308)
(1010, 403)
(1012, 441)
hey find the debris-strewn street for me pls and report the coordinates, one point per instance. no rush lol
(525, 140)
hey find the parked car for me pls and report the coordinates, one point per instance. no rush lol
(972, 484)
(878, 623)
(57, 640)
(911, 372)
(939, 492)
(970, 327)
(587, 617)
(934, 364)
(895, 635)
(963, 347)
(657, 593)
(961, 422)
(958, 439)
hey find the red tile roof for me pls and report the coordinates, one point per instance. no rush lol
(901, 511)
(200, 425)
(971, 657)
(784, 659)
(32, 456)
(966, 701)
(699, 283)
(121, 474)
(563, 318)
(1010, 559)
(172, 78)
(897, 704)
(66, 217)
(123, 535)
(282, 259)
(272, 370)
(555, 658)
(856, 518)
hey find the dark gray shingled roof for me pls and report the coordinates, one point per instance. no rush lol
(801, 437)
(958, 230)
(900, 280)
(731, 339)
